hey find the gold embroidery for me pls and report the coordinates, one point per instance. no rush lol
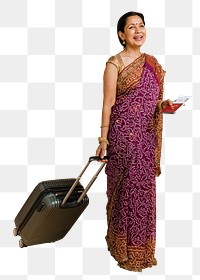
(133, 258)
(130, 79)
(158, 116)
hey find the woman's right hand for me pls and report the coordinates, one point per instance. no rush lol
(101, 151)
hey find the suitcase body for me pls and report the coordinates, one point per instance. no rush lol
(52, 209)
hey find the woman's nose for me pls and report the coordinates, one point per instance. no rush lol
(137, 29)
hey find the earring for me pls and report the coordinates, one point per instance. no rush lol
(124, 43)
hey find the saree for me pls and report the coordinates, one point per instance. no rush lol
(135, 136)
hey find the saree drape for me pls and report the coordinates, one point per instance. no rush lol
(134, 136)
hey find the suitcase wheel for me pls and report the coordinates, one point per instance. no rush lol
(15, 231)
(21, 243)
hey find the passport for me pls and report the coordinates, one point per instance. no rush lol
(180, 100)
(172, 109)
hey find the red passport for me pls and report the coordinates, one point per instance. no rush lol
(172, 109)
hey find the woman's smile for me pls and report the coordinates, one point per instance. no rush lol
(138, 37)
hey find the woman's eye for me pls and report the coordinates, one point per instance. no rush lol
(131, 27)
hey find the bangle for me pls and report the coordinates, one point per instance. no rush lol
(160, 106)
(105, 141)
(104, 126)
(101, 139)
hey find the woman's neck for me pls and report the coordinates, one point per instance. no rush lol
(130, 52)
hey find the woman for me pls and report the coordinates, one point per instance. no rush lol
(131, 132)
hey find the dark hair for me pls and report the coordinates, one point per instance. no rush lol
(122, 22)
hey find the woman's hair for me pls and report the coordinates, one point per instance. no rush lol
(122, 22)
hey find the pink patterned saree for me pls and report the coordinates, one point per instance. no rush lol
(135, 135)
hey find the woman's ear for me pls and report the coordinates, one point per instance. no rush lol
(121, 35)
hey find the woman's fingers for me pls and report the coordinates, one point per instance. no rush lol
(166, 103)
(101, 152)
(98, 151)
(170, 103)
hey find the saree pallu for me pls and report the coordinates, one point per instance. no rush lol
(131, 169)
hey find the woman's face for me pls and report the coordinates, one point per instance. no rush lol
(134, 32)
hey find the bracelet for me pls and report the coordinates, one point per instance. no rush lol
(106, 141)
(101, 139)
(104, 126)
(160, 106)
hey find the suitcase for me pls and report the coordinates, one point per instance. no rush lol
(52, 209)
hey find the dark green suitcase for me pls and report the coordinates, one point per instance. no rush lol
(52, 209)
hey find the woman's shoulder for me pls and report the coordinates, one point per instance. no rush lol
(153, 61)
(151, 58)
(159, 71)
(112, 59)
(116, 61)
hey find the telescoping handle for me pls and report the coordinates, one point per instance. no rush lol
(94, 158)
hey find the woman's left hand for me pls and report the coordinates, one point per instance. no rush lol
(166, 103)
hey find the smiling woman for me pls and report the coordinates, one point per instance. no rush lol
(131, 26)
(131, 133)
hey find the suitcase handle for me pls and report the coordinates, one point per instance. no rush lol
(97, 158)
(94, 158)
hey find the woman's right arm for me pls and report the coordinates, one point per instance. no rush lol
(109, 89)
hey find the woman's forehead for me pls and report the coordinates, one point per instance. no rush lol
(134, 20)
